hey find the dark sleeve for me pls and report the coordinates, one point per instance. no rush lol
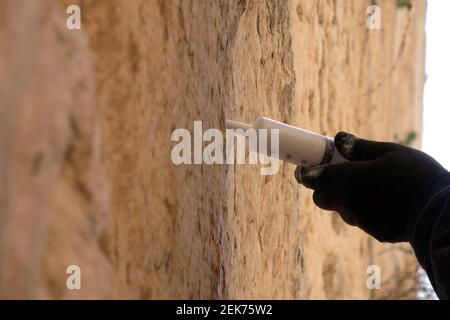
(429, 232)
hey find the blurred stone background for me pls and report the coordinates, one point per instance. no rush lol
(85, 123)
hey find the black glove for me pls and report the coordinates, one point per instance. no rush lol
(375, 189)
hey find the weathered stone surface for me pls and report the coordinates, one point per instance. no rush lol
(85, 145)
(54, 198)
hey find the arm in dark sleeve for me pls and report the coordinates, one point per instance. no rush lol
(429, 232)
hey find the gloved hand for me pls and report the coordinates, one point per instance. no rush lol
(375, 189)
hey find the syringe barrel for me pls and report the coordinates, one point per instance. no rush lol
(299, 146)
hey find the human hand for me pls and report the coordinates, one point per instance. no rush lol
(375, 189)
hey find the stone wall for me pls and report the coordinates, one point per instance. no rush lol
(86, 118)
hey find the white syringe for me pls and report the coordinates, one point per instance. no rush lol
(296, 145)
